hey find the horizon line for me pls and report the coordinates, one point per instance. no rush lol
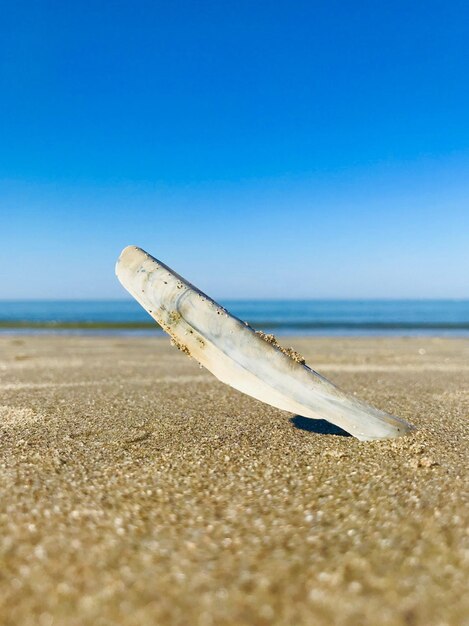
(260, 299)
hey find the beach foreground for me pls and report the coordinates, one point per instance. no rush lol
(137, 489)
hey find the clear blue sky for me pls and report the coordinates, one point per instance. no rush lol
(263, 149)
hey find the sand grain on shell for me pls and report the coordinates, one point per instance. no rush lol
(136, 489)
(290, 352)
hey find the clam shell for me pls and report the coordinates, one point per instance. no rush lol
(239, 356)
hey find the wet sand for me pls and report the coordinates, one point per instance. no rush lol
(137, 489)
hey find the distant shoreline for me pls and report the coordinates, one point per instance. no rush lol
(142, 329)
(269, 325)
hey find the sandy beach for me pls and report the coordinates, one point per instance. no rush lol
(137, 489)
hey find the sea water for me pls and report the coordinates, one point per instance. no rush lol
(283, 317)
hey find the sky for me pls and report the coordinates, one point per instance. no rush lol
(261, 149)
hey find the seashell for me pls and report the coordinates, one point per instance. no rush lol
(236, 354)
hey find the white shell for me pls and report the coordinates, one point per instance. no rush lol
(242, 358)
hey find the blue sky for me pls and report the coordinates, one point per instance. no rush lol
(263, 149)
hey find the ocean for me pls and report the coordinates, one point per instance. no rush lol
(282, 317)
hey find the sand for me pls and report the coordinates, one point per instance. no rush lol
(136, 489)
